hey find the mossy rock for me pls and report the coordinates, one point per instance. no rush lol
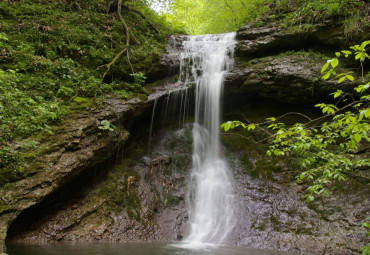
(171, 201)
(265, 167)
(81, 103)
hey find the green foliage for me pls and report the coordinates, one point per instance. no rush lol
(23, 113)
(3, 38)
(6, 157)
(305, 12)
(233, 124)
(366, 250)
(366, 225)
(355, 25)
(315, 10)
(217, 16)
(106, 125)
(327, 146)
(139, 78)
(52, 57)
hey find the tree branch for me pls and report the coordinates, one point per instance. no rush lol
(128, 40)
(114, 61)
(244, 137)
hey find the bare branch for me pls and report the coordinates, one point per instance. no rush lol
(244, 137)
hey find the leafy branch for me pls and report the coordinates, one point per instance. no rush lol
(327, 147)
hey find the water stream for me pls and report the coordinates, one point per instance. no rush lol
(126, 249)
(204, 62)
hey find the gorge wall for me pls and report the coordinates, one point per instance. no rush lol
(93, 185)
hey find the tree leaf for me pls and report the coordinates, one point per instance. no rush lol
(323, 69)
(341, 80)
(334, 62)
(358, 137)
(350, 77)
(338, 93)
(363, 45)
(227, 126)
(326, 76)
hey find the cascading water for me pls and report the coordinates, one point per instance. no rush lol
(204, 62)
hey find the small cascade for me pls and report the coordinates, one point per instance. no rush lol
(177, 106)
(151, 128)
(204, 62)
(173, 110)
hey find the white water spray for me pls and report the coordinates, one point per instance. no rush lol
(204, 62)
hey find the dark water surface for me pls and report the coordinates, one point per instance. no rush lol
(127, 249)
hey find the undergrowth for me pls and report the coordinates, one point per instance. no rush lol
(52, 52)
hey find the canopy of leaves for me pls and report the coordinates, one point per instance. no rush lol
(219, 16)
(214, 16)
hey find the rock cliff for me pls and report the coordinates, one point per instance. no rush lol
(87, 186)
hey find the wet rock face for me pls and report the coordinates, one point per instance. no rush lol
(74, 148)
(169, 63)
(285, 65)
(290, 78)
(273, 214)
(268, 40)
(141, 199)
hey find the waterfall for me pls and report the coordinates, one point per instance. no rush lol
(204, 62)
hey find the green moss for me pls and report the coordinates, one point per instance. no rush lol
(81, 103)
(261, 226)
(143, 97)
(354, 28)
(245, 150)
(81, 100)
(310, 53)
(262, 63)
(265, 167)
(307, 12)
(30, 155)
(149, 87)
(115, 190)
(171, 201)
(252, 155)
(132, 205)
(181, 161)
(304, 231)
(275, 222)
(10, 173)
(53, 57)
(123, 94)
